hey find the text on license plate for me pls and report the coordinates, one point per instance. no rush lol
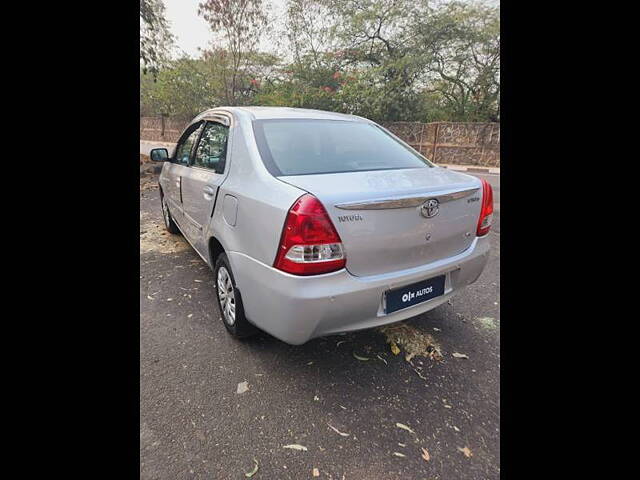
(415, 293)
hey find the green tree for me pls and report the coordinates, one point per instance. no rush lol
(183, 88)
(379, 46)
(187, 86)
(239, 24)
(464, 71)
(387, 60)
(155, 37)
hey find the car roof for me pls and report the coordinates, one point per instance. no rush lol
(264, 113)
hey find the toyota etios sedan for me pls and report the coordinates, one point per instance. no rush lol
(317, 223)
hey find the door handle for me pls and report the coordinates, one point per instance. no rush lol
(209, 190)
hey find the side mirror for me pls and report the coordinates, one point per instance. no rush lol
(159, 155)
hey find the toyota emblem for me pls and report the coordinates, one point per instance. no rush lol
(429, 209)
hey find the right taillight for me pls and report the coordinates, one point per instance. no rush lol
(310, 244)
(486, 213)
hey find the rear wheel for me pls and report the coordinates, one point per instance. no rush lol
(168, 220)
(230, 301)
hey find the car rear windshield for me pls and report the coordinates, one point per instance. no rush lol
(306, 147)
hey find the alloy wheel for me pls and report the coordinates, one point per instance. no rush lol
(226, 296)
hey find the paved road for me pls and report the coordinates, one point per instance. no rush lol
(195, 425)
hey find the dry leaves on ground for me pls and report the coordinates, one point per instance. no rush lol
(254, 471)
(404, 427)
(295, 446)
(414, 341)
(155, 238)
(466, 451)
(342, 434)
(148, 185)
(358, 357)
(487, 323)
(243, 387)
(425, 455)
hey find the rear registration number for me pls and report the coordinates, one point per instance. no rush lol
(413, 294)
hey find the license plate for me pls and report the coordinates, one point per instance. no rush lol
(413, 294)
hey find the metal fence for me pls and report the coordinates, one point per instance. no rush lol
(442, 142)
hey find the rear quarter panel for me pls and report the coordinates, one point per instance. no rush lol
(262, 201)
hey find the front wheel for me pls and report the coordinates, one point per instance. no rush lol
(230, 301)
(169, 224)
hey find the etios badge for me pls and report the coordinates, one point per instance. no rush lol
(429, 209)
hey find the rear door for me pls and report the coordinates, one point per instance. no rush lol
(200, 185)
(176, 171)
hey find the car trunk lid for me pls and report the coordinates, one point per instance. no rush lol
(383, 221)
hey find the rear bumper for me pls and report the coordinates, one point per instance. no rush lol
(296, 309)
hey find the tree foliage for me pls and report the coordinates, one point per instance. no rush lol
(387, 60)
(239, 23)
(155, 37)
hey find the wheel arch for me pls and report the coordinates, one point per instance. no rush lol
(215, 248)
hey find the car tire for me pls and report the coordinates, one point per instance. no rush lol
(169, 224)
(230, 300)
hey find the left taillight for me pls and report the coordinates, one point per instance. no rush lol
(310, 244)
(486, 213)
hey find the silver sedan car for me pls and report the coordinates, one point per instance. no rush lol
(317, 223)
